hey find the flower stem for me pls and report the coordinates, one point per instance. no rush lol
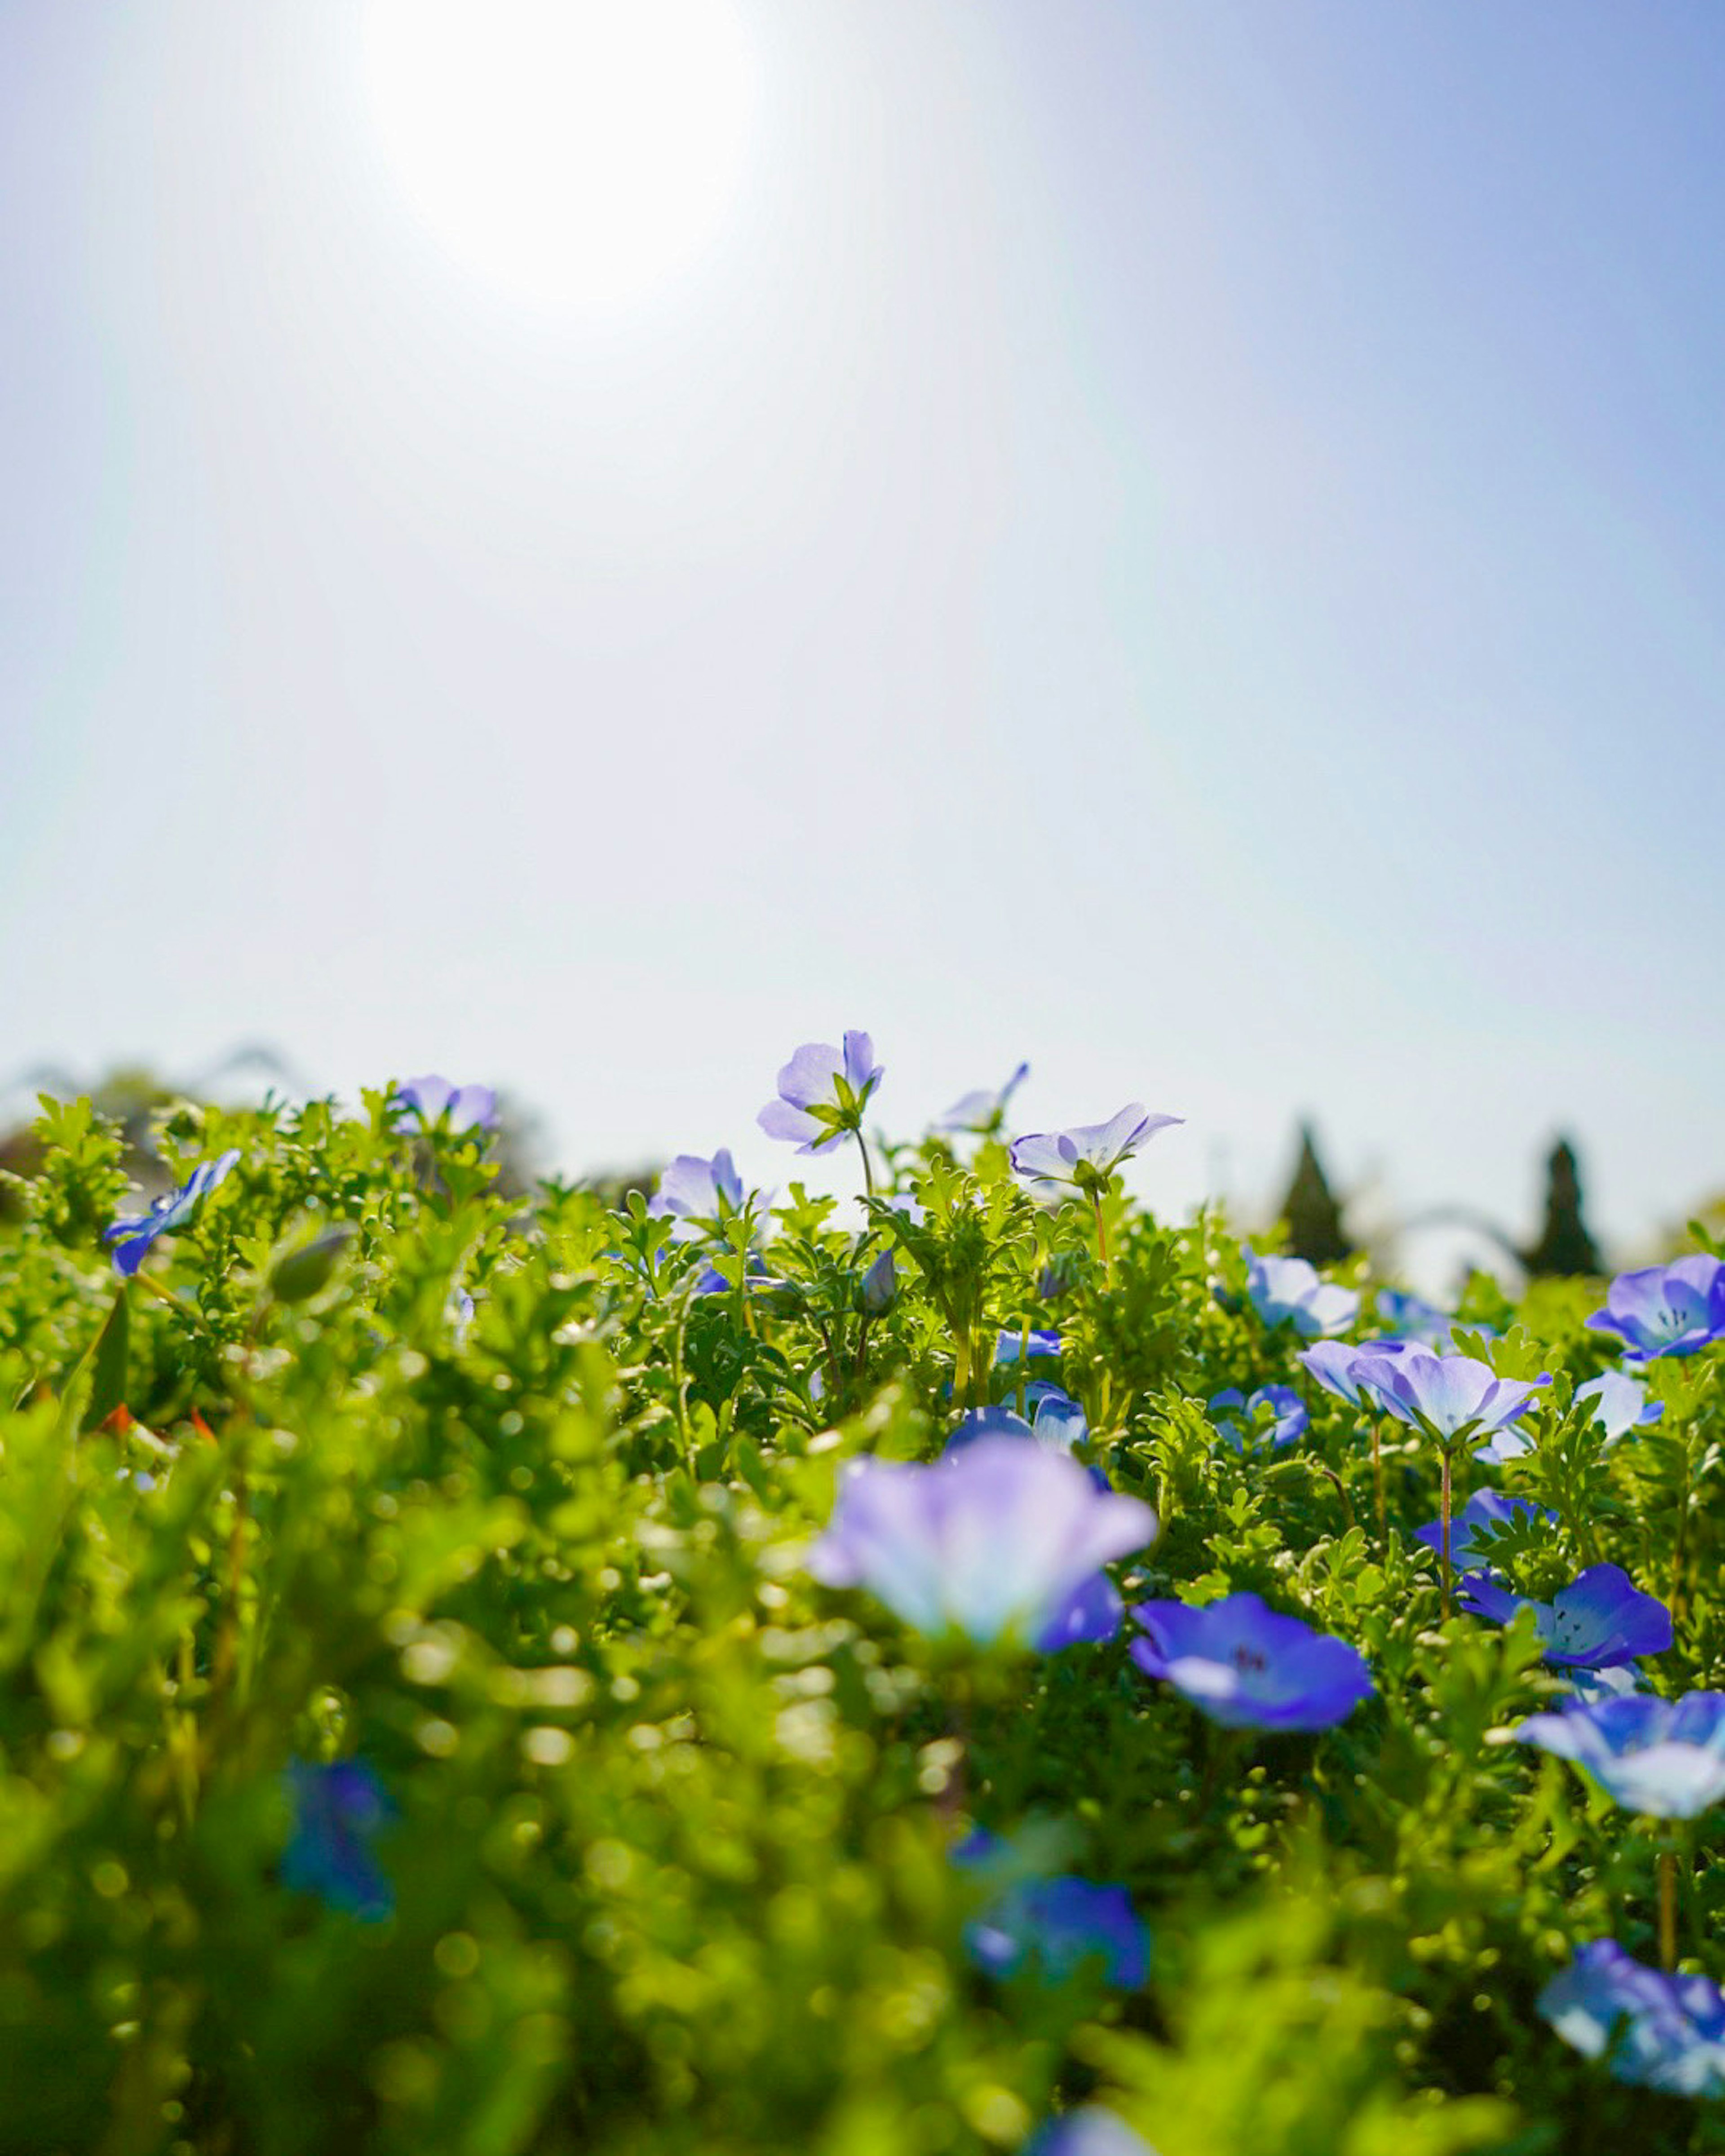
(1096, 1199)
(1668, 1908)
(1378, 1486)
(862, 1147)
(1444, 1515)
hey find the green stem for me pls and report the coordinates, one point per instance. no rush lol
(1668, 1908)
(1096, 1199)
(1378, 1486)
(1444, 1515)
(868, 1173)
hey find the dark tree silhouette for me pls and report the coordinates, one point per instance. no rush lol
(1564, 1245)
(1314, 1218)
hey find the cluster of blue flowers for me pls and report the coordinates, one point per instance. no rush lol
(1002, 1546)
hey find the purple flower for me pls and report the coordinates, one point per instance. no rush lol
(1089, 2132)
(1447, 1396)
(131, 1239)
(1087, 1155)
(1600, 1619)
(982, 1112)
(1052, 1926)
(692, 1190)
(338, 1810)
(1277, 1412)
(1057, 1424)
(1655, 2030)
(1620, 1404)
(1247, 1667)
(1667, 1310)
(1289, 1291)
(1012, 1345)
(1663, 1758)
(1484, 1509)
(998, 1541)
(435, 1100)
(1333, 1363)
(1411, 1318)
(822, 1094)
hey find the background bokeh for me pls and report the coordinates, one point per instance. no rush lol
(1182, 542)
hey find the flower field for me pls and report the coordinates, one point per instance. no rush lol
(972, 1668)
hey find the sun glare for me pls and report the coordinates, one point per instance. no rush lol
(575, 153)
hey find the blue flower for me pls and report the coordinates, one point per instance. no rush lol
(1447, 1396)
(338, 1811)
(1655, 2030)
(1012, 1346)
(1484, 1509)
(1599, 1619)
(1057, 1424)
(1667, 1310)
(435, 1100)
(692, 1190)
(1247, 1667)
(982, 1112)
(822, 1094)
(1087, 1155)
(1275, 1412)
(1332, 1364)
(1663, 1758)
(1052, 1928)
(1621, 1404)
(1289, 1291)
(998, 1541)
(1089, 2132)
(131, 1239)
(1411, 1318)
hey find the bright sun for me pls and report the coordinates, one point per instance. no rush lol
(576, 152)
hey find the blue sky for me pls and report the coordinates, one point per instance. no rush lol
(1182, 542)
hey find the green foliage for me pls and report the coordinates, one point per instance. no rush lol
(510, 1499)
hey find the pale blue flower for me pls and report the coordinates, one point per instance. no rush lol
(1446, 1395)
(131, 1239)
(1655, 2030)
(338, 1809)
(1291, 1291)
(983, 1111)
(1485, 1509)
(1248, 1668)
(1275, 1414)
(993, 1542)
(821, 1093)
(1600, 1619)
(433, 1099)
(1667, 1310)
(1333, 1363)
(1663, 1758)
(1052, 1928)
(1012, 1344)
(1086, 1155)
(692, 1190)
(1088, 2131)
(1621, 1404)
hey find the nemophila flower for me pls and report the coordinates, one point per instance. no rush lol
(1666, 1310)
(1274, 1413)
(338, 1812)
(879, 1285)
(999, 1540)
(1090, 2132)
(1332, 1364)
(1053, 1928)
(130, 1240)
(1290, 1291)
(1087, 1155)
(1014, 1344)
(1485, 1508)
(1057, 1424)
(1248, 1668)
(1411, 1318)
(1600, 1619)
(821, 1093)
(1663, 1758)
(435, 1100)
(1618, 1682)
(1621, 1404)
(981, 1110)
(692, 1190)
(1654, 2030)
(1447, 1394)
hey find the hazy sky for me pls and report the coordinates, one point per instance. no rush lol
(1183, 541)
